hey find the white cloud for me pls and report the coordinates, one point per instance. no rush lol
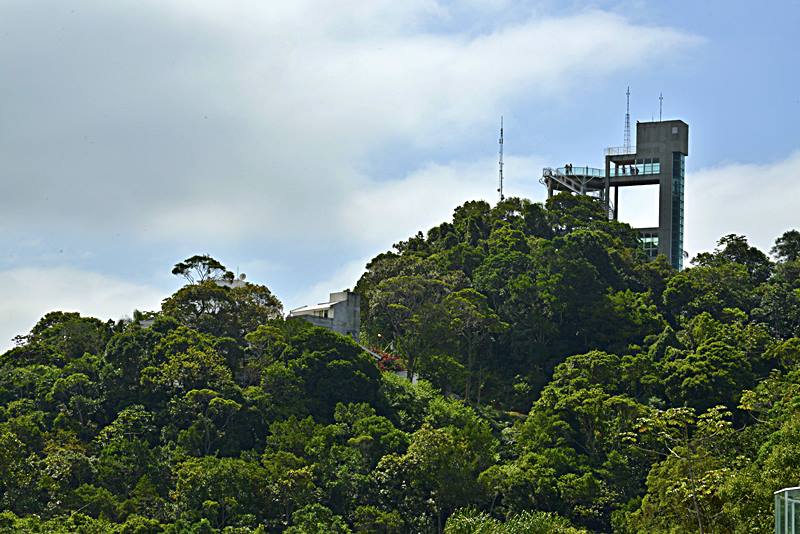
(28, 294)
(266, 126)
(758, 201)
(383, 213)
(217, 121)
(344, 277)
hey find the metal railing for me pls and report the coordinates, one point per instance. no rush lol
(641, 169)
(620, 150)
(615, 171)
(581, 171)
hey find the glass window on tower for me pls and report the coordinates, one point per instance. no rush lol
(676, 241)
(649, 243)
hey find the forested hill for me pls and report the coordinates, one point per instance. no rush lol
(566, 385)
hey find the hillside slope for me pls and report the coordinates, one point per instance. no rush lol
(567, 385)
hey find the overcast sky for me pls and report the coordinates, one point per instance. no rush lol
(295, 140)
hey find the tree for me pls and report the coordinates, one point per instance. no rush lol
(223, 311)
(206, 416)
(199, 269)
(317, 519)
(332, 369)
(471, 521)
(472, 221)
(194, 369)
(125, 450)
(16, 476)
(713, 374)
(435, 476)
(780, 309)
(710, 288)
(373, 435)
(126, 355)
(787, 246)
(735, 248)
(508, 257)
(635, 316)
(747, 493)
(67, 335)
(371, 519)
(222, 490)
(407, 311)
(683, 489)
(219, 415)
(474, 322)
(568, 212)
(254, 305)
(78, 397)
(570, 452)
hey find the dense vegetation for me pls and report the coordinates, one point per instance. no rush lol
(568, 385)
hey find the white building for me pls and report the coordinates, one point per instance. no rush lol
(342, 313)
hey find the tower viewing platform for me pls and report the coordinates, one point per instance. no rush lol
(657, 159)
(581, 180)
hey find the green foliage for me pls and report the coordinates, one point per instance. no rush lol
(317, 519)
(684, 488)
(225, 491)
(470, 521)
(787, 246)
(222, 311)
(200, 268)
(561, 383)
(60, 337)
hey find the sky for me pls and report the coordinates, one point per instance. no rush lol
(294, 141)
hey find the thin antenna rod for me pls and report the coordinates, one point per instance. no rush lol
(628, 120)
(500, 189)
(660, 105)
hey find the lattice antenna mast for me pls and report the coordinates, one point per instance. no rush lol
(660, 105)
(500, 189)
(627, 142)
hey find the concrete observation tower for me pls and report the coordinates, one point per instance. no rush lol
(657, 159)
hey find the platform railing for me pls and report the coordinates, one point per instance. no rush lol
(620, 150)
(581, 171)
(641, 169)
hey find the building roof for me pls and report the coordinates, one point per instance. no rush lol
(314, 307)
(335, 298)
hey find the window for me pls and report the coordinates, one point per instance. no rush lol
(649, 243)
(678, 177)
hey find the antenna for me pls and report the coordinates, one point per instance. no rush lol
(660, 105)
(628, 121)
(500, 189)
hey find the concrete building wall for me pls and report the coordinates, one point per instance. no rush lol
(662, 140)
(663, 136)
(342, 314)
(347, 313)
